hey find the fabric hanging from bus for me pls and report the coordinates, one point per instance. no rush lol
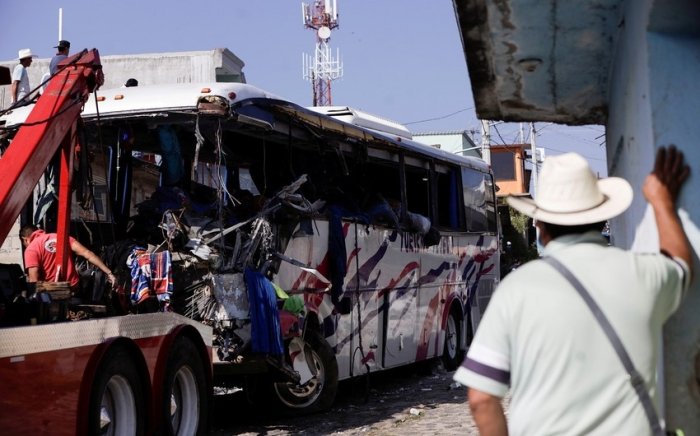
(264, 316)
(151, 275)
(172, 166)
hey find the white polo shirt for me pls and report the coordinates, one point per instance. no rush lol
(539, 337)
(20, 74)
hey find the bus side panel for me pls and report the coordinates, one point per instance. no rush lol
(480, 275)
(439, 281)
(389, 282)
(400, 324)
(397, 285)
(364, 316)
(313, 251)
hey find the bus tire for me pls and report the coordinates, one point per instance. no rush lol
(185, 401)
(117, 396)
(452, 355)
(318, 394)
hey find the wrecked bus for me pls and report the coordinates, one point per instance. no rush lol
(317, 249)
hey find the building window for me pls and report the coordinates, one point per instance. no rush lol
(503, 164)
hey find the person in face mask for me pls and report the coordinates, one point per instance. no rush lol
(541, 337)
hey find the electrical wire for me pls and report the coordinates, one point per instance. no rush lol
(504, 143)
(529, 160)
(440, 117)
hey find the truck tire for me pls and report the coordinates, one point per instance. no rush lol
(117, 400)
(318, 393)
(185, 401)
(452, 355)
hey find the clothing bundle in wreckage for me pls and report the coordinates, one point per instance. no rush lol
(217, 265)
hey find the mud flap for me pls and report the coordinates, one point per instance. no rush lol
(302, 360)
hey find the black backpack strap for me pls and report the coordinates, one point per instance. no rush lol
(635, 378)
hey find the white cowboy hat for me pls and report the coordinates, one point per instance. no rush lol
(25, 53)
(569, 194)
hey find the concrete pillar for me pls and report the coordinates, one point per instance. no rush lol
(655, 101)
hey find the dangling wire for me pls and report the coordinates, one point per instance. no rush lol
(221, 188)
(200, 141)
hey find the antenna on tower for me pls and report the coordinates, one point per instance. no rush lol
(321, 68)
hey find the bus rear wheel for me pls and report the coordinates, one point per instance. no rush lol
(116, 399)
(453, 355)
(319, 392)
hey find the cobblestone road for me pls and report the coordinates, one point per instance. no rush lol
(401, 401)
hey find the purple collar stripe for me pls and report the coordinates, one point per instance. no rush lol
(496, 374)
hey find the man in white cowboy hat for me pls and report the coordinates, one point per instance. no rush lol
(539, 339)
(20, 80)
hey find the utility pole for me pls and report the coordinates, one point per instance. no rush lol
(521, 128)
(60, 24)
(533, 147)
(486, 141)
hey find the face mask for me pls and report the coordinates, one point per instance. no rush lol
(540, 247)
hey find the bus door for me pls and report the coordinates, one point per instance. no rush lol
(369, 263)
(403, 284)
(439, 282)
(481, 221)
(400, 299)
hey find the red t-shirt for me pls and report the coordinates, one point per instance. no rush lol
(41, 253)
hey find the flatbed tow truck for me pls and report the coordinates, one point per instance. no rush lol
(134, 374)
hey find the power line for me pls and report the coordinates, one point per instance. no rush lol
(440, 117)
(503, 142)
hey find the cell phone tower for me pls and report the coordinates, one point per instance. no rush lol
(321, 68)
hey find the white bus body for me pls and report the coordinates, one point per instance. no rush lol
(391, 245)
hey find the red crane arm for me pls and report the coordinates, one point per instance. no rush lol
(51, 124)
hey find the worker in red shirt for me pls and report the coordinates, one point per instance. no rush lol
(40, 257)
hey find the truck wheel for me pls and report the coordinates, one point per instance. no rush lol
(116, 399)
(318, 393)
(452, 355)
(185, 399)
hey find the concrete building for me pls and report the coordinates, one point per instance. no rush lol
(217, 65)
(631, 65)
(454, 142)
(508, 164)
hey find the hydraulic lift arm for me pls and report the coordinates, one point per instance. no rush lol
(51, 125)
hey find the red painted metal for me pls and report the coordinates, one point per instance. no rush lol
(46, 393)
(63, 250)
(36, 142)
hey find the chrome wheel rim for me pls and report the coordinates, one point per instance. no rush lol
(118, 408)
